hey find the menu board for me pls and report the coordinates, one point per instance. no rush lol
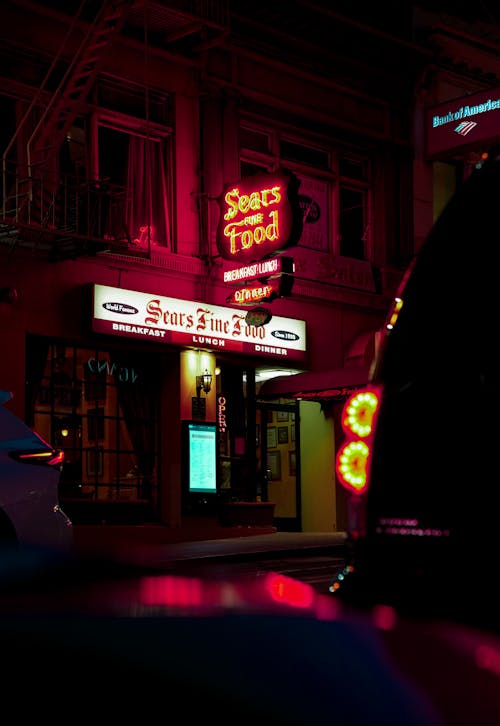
(201, 453)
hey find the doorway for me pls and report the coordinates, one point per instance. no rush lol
(278, 461)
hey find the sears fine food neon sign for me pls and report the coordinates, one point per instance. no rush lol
(260, 217)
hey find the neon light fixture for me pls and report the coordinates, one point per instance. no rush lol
(260, 216)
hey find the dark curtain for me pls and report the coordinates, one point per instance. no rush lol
(147, 205)
(138, 402)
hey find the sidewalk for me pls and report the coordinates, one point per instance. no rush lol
(155, 543)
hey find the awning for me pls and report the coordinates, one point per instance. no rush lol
(322, 386)
(362, 349)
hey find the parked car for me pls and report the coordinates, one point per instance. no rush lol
(29, 477)
(420, 454)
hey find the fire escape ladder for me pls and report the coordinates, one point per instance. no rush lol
(74, 88)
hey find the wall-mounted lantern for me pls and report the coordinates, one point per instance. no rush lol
(203, 382)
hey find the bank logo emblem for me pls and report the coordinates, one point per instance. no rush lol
(464, 128)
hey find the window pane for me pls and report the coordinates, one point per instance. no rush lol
(351, 223)
(305, 155)
(314, 199)
(249, 169)
(353, 168)
(254, 140)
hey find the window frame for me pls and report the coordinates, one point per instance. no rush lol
(111, 453)
(331, 176)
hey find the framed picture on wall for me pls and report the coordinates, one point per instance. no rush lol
(292, 432)
(274, 464)
(271, 437)
(282, 434)
(292, 465)
(282, 415)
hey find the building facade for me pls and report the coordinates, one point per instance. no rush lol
(123, 124)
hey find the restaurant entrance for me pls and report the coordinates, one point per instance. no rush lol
(278, 462)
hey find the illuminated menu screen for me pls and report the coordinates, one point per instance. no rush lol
(202, 458)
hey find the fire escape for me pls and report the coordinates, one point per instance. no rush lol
(36, 208)
(40, 206)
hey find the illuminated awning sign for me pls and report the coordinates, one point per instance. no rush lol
(159, 319)
(260, 216)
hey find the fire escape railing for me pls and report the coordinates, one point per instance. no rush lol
(34, 192)
(77, 217)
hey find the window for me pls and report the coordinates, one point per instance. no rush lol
(95, 424)
(334, 191)
(7, 131)
(255, 140)
(134, 100)
(351, 222)
(142, 211)
(123, 172)
(114, 163)
(353, 207)
(109, 434)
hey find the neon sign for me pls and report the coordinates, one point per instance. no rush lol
(263, 291)
(251, 294)
(221, 416)
(260, 216)
(260, 270)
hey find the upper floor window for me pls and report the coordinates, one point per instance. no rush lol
(334, 187)
(120, 155)
(108, 178)
(124, 165)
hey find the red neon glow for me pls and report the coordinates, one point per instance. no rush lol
(145, 237)
(259, 217)
(384, 617)
(488, 657)
(170, 590)
(288, 591)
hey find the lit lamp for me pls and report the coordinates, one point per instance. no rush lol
(203, 382)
